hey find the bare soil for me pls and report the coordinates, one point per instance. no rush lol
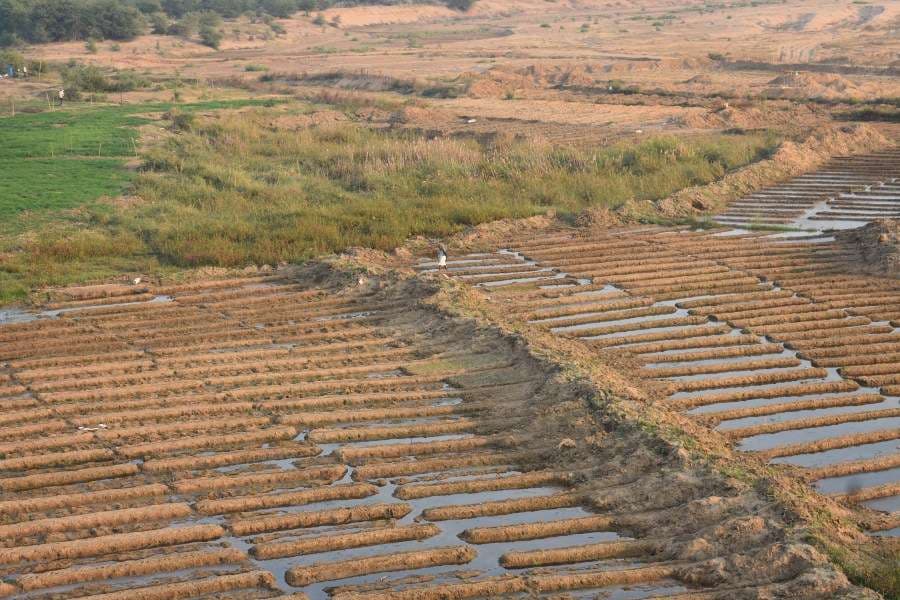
(877, 245)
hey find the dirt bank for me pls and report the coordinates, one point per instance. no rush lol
(876, 246)
(790, 160)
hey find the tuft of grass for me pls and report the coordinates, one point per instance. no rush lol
(875, 565)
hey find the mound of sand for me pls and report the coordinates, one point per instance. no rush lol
(725, 115)
(499, 81)
(811, 85)
(488, 235)
(877, 245)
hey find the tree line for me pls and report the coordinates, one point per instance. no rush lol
(39, 21)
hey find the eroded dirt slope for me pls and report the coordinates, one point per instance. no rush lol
(878, 246)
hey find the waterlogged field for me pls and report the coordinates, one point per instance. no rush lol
(259, 438)
(771, 339)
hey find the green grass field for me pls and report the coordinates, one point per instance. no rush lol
(70, 157)
(63, 159)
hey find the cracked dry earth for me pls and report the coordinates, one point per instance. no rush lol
(260, 437)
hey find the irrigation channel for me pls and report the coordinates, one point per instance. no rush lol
(774, 341)
(258, 438)
(846, 193)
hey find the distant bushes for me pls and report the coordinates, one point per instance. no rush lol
(38, 21)
(79, 79)
(62, 20)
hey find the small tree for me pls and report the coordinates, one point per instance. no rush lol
(185, 26)
(460, 5)
(211, 36)
(159, 23)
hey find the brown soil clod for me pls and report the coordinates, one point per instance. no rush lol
(221, 584)
(589, 552)
(132, 568)
(369, 537)
(157, 512)
(310, 496)
(534, 531)
(527, 480)
(337, 516)
(500, 507)
(110, 544)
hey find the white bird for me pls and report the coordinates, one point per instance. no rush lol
(136, 280)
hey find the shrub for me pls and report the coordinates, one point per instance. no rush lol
(211, 36)
(182, 121)
(10, 57)
(92, 79)
(460, 5)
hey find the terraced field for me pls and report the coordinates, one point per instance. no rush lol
(260, 438)
(774, 342)
(845, 193)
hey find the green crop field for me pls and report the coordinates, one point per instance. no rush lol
(59, 160)
(67, 158)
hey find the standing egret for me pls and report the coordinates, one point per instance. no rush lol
(442, 256)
